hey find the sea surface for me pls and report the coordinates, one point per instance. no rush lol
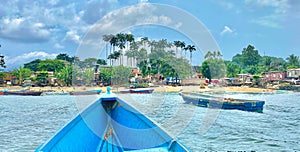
(26, 122)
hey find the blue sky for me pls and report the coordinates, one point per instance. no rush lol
(42, 29)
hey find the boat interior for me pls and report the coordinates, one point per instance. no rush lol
(110, 124)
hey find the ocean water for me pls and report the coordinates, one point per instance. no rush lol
(26, 122)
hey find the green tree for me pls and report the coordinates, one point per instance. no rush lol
(293, 61)
(33, 65)
(21, 74)
(89, 62)
(191, 48)
(233, 69)
(65, 75)
(107, 38)
(42, 78)
(250, 56)
(50, 65)
(238, 59)
(120, 75)
(2, 62)
(115, 55)
(2, 76)
(105, 76)
(205, 70)
(142, 55)
(65, 57)
(88, 75)
(101, 62)
(177, 44)
(182, 45)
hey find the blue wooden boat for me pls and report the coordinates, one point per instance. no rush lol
(51, 93)
(138, 91)
(89, 92)
(111, 125)
(24, 93)
(206, 100)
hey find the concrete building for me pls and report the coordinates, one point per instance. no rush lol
(293, 74)
(275, 76)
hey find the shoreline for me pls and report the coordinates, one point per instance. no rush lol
(159, 89)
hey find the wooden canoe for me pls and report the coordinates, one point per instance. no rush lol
(112, 125)
(206, 100)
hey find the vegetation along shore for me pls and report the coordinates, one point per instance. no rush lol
(139, 63)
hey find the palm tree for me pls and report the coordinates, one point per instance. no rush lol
(135, 51)
(21, 74)
(107, 38)
(121, 44)
(129, 55)
(114, 55)
(293, 60)
(152, 45)
(144, 40)
(214, 54)
(219, 55)
(113, 42)
(208, 55)
(191, 48)
(177, 44)
(130, 39)
(2, 62)
(182, 45)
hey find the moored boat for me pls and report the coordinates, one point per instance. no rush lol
(205, 100)
(49, 93)
(111, 125)
(90, 92)
(24, 93)
(138, 91)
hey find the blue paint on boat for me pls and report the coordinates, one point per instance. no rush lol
(205, 100)
(110, 124)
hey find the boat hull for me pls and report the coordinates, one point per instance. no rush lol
(137, 91)
(19, 93)
(76, 93)
(55, 93)
(110, 124)
(222, 103)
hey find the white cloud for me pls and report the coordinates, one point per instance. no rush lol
(58, 46)
(22, 29)
(143, 1)
(72, 36)
(273, 19)
(268, 21)
(281, 6)
(53, 2)
(15, 62)
(226, 5)
(226, 30)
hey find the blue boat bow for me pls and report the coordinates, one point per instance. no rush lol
(111, 125)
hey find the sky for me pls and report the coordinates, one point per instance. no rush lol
(43, 29)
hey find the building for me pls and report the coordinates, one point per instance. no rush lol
(275, 76)
(293, 74)
(245, 78)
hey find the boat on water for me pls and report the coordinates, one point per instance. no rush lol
(90, 92)
(50, 93)
(111, 125)
(206, 100)
(23, 93)
(138, 91)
